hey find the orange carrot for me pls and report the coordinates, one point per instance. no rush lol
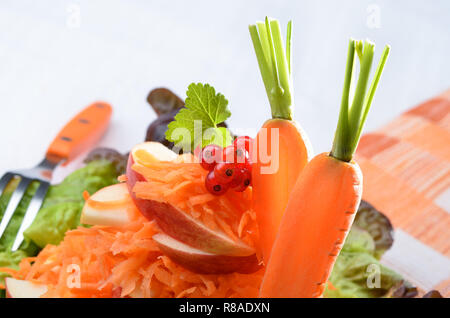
(282, 148)
(325, 198)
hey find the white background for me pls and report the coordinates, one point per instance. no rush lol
(51, 66)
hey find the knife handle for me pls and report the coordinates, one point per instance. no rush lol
(80, 133)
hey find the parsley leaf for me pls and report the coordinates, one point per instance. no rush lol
(197, 121)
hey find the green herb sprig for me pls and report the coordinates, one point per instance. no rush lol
(197, 123)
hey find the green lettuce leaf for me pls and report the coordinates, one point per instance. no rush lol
(355, 270)
(358, 272)
(62, 207)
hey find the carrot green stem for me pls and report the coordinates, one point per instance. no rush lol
(289, 46)
(355, 107)
(275, 65)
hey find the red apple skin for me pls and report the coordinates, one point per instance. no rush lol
(207, 263)
(144, 206)
(186, 229)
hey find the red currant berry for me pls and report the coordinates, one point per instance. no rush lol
(210, 156)
(242, 157)
(243, 142)
(229, 154)
(213, 185)
(247, 166)
(224, 172)
(245, 181)
(237, 178)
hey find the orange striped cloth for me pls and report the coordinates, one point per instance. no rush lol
(406, 167)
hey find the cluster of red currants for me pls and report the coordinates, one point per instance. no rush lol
(228, 167)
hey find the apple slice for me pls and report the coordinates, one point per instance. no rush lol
(16, 288)
(203, 262)
(186, 229)
(145, 152)
(108, 206)
(151, 151)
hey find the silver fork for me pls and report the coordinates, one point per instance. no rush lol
(80, 133)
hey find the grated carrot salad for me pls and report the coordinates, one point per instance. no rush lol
(124, 262)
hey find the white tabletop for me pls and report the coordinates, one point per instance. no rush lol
(57, 57)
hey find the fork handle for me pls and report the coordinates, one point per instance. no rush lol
(80, 133)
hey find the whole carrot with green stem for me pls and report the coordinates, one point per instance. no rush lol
(281, 138)
(326, 196)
